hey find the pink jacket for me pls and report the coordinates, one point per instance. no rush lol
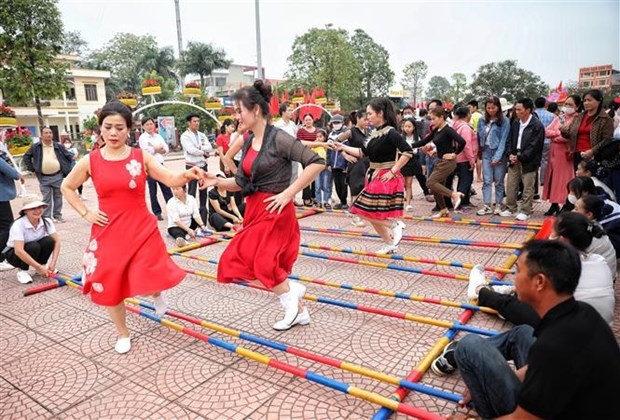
(470, 152)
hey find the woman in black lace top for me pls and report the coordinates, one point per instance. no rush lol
(382, 198)
(449, 144)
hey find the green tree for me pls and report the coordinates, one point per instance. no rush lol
(74, 44)
(459, 87)
(506, 80)
(438, 88)
(123, 56)
(31, 37)
(373, 61)
(413, 75)
(201, 59)
(162, 61)
(324, 58)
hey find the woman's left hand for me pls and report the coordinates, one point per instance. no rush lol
(389, 175)
(278, 202)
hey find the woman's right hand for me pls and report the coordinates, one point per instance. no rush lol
(98, 217)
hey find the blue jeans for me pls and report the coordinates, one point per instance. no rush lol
(323, 187)
(492, 175)
(492, 383)
(430, 165)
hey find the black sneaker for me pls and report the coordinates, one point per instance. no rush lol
(345, 207)
(337, 206)
(445, 364)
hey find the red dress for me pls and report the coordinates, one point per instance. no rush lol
(267, 247)
(127, 257)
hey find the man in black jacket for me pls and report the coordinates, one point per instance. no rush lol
(524, 150)
(50, 162)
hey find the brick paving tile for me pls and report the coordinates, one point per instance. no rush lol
(56, 348)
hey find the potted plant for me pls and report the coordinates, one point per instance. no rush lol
(320, 96)
(213, 103)
(128, 98)
(226, 113)
(330, 104)
(151, 87)
(18, 140)
(192, 89)
(298, 96)
(7, 116)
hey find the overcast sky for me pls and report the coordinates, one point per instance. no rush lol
(551, 38)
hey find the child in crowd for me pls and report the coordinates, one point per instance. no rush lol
(323, 183)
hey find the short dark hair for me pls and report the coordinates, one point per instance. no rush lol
(190, 116)
(473, 102)
(435, 101)
(423, 112)
(540, 102)
(438, 112)
(147, 119)
(115, 108)
(582, 184)
(407, 107)
(527, 103)
(577, 229)
(461, 112)
(558, 261)
(552, 107)
(258, 94)
(283, 107)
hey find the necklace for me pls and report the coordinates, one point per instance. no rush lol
(112, 157)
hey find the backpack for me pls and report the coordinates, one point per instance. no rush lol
(608, 153)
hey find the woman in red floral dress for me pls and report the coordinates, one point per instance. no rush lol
(126, 255)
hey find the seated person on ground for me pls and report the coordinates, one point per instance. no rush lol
(32, 240)
(224, 213)
(567, 368)
(183, 216)
(592, 207)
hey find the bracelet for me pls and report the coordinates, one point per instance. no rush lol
(392, 171)
(85, 212)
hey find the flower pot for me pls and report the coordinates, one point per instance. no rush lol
(321, 100)
(297, 99)
(8, 121)
(223, 118)
(330, 106)
(131, 102)
(191, 92)
(20, 150)
(213, 105)
(151, 90)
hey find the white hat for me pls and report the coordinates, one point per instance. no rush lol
(505, 104)
(31, 201)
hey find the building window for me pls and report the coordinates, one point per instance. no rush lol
(91, 92)
(586, 84)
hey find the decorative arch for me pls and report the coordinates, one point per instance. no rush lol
(209, 114)
(313, 106)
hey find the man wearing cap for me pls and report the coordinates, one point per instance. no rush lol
(50, 162)
(338, 163)
(32, 240)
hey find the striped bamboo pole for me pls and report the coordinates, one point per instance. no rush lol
(276, 345)
(377, 311)
(362, 289)
(57, 282)
(285, 367)
(409, 238)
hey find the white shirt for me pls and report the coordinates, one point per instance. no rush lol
(596, 286)
(522, 126)
(234, 137)
(148, 142)
(22, 230)
(603, 247)
(194, 146)
(290, 127)
(183, 212)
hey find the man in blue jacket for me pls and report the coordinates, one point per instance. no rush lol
(524, 150)
(50, 162)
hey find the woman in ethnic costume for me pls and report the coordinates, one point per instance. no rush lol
(265, 250)
(382, 198)
(126, 255)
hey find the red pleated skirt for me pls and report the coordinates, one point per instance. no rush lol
(265, 249)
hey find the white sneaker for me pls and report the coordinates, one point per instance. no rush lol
(161, 304)
(302, 318)
(503, 290)
(486, 210)
(388, 249)
(506, 213)
(497, 210)
(23, 277)
(123, 345)
(290, 303)
(397, 232)
(409, 207)
(5, 266)
(357, 222)
(181, 242)
(476, 279)
(522, 217)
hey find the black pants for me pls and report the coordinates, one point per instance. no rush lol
(466, 177)
(177, 232)
(219, 222)
(6, 220)
(308, 193)
(509, 307)
(339, 176)
(40, 251)
(192, 186)
(165, 190)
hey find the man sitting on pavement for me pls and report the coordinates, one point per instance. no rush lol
(568, 367)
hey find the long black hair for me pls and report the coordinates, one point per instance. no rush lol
(385, 106)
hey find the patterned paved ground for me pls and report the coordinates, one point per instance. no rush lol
(56, 347)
